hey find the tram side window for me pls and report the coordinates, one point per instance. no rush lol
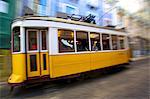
(95, 41)
(82, 41)
(32, 40)
(114, 42)
(66, 41)
(121, 42)
(105, 41)
(16, 39)
(44, 39)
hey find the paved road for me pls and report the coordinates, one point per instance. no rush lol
(131, 82)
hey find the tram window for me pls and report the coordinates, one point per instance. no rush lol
(66, 41)
(121, 42)
(32, 40)
(44, 61)
(82, 41)
(44, 47)
(16, 39)
(114, 42)
(95, 41)
(105, 41)
(33, 63)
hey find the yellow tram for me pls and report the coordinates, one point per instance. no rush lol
(46, 47)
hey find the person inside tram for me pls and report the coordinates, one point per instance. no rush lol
(94, 47)
(106, 45)
(114, 45)
(82, 46)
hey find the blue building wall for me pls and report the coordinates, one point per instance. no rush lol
(82, 7)
(52, 7)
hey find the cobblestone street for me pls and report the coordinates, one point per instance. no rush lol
(130, 82)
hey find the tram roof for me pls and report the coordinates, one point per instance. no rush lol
(65, 21)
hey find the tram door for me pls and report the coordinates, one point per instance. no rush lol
(37, 53)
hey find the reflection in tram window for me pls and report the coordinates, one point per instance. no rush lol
(82, 41)
(32, 40)
(44, 47)
(121, 42)
(66, 41)
(95, 41)
(114, 42)
(105, 41)
(16, 39)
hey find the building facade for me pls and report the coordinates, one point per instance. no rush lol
(139, 36)
(7, 14)
(109, 16)
(53, 7)
(81, 7)
(38, 7)
(7, 9)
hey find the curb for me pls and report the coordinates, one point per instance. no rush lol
(139, 58)
(3, 83)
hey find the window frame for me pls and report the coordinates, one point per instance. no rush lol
(89, 41)
(47, 43)
(124, 43)
(99, 41)
(27, 38)
(12, 43)
(110, 48)
(112, 42)
(88, 38)
(71, 6)
(58, 40)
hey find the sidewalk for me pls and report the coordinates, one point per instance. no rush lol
(3, 83)
(5, 64)
(4, 89)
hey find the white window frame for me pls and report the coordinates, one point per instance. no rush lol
(73, 39)
(100, 41)
(40, 39)
(109, 41)
(88, 41)
(117, 42)
(119, 48)
(75, 44)
(27, 45)
(63, 6)
(12, 41)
